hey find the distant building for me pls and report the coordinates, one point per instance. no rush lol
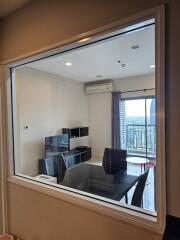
(153, 112)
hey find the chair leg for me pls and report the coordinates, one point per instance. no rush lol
(144, 167)
(126, 198)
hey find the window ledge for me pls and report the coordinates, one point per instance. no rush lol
(139, 219)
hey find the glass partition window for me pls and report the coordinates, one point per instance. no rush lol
(85, 120)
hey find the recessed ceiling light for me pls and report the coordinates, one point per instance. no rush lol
(68, 64)
(152, 66)
(123, 65)
(84, 39)
(98, 76)
(135, 46)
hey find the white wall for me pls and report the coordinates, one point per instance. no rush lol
(135, 83)
(46, 103)
(99, 106)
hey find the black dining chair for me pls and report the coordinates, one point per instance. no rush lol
(53, 166)
(114, 159)
(61, 167)
(138, 192)
(48, 167)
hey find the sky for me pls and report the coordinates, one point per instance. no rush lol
(137, 107)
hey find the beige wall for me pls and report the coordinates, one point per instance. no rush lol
(99, 107)
(46, 103)
(41, 23)
(35, 216)
(0, 40)
(135, 83)
(1, 149)
(172, 107)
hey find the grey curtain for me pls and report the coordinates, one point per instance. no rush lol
(116, 96)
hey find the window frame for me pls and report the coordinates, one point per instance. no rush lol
(126, 215)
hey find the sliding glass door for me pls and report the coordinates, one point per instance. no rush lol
(138, 126)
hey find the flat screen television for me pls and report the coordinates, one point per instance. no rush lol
(57, 144)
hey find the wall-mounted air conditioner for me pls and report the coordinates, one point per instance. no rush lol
(99, 86)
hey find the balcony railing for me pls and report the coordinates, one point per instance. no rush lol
(141, 139)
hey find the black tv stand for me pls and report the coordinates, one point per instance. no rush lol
(73, 157)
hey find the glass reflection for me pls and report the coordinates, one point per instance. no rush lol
(91, 125)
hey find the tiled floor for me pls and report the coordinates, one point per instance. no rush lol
(149, 196)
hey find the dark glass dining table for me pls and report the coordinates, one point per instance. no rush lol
(94, 179)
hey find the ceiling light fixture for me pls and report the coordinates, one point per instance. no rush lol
(68, 64)
(98, 76)
(84, 39)
(123, 65)
(152, 66)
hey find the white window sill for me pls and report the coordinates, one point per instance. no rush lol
(139, 219)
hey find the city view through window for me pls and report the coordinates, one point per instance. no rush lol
(138, 127)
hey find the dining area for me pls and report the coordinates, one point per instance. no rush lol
(110, 180)
(115, 178)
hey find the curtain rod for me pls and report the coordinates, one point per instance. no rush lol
(139, 90)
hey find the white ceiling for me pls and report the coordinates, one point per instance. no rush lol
(101, 59)
(9, 6)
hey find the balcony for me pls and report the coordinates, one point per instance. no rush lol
(141, 140)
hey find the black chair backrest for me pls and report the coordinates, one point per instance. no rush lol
(47, 167)
(61, 167)
(138, 192)
(114, 159)
(53, 166)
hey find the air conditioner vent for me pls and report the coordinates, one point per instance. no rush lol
(99, 86)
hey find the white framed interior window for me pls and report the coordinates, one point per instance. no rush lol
(73, 134)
